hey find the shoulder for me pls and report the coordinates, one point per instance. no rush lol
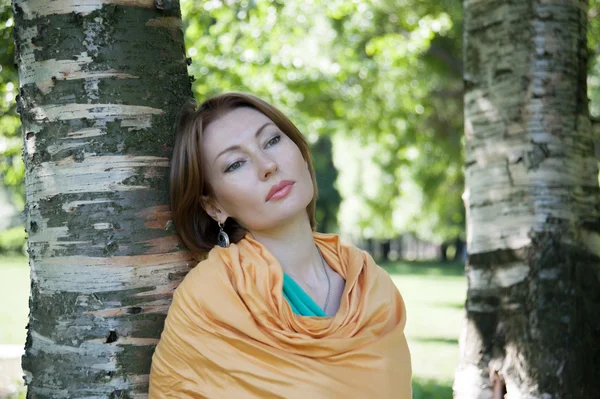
(205, 269)
(204, 281)
(339, 245)
(334, 241)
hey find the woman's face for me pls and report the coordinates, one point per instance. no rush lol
(245, 155)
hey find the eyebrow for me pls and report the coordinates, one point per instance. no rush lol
(235, 147)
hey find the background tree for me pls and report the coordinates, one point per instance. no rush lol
(381, 79)
(593, 37)
(99, 88)
(532, 200)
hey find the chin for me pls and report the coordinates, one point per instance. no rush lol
(282, 216)
(277, 213)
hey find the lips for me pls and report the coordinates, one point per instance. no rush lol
(281, 185)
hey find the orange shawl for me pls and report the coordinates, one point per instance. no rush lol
(230, 333)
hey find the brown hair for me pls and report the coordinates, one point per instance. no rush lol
(187, 182)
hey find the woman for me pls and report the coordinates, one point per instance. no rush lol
(276, 310)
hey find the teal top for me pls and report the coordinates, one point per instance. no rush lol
(299, 301)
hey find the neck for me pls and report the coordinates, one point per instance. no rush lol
(293, 245)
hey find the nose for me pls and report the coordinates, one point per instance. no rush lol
(267, 166)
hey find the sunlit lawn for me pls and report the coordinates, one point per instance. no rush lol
(14, 295)
(434, 295)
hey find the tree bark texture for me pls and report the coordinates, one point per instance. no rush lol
(100, 86)
(532, 327)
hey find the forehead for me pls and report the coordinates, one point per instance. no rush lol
(234, 126)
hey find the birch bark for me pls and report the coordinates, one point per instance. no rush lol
(532, 199)
(100, 85)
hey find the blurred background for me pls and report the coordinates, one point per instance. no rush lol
(376, 87)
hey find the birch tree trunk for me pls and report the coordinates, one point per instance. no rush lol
(533, 305)
(101, 83)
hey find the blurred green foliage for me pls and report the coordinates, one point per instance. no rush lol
(13, 240)
(593, 37)
(383, 79)
(375, 85)
(12, 173)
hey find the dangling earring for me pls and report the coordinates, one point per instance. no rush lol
(223, 238)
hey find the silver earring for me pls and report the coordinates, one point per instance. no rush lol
(223, 238)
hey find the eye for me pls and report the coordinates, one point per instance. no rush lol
(233, 166)
(274, 140)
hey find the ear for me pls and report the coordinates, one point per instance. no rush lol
(213, 209)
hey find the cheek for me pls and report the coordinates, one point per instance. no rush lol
(298, 162)
(304, 172)
(236, 194)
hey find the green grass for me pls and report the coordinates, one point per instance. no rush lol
(14, 299)
(14, 311)
(434, 295)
